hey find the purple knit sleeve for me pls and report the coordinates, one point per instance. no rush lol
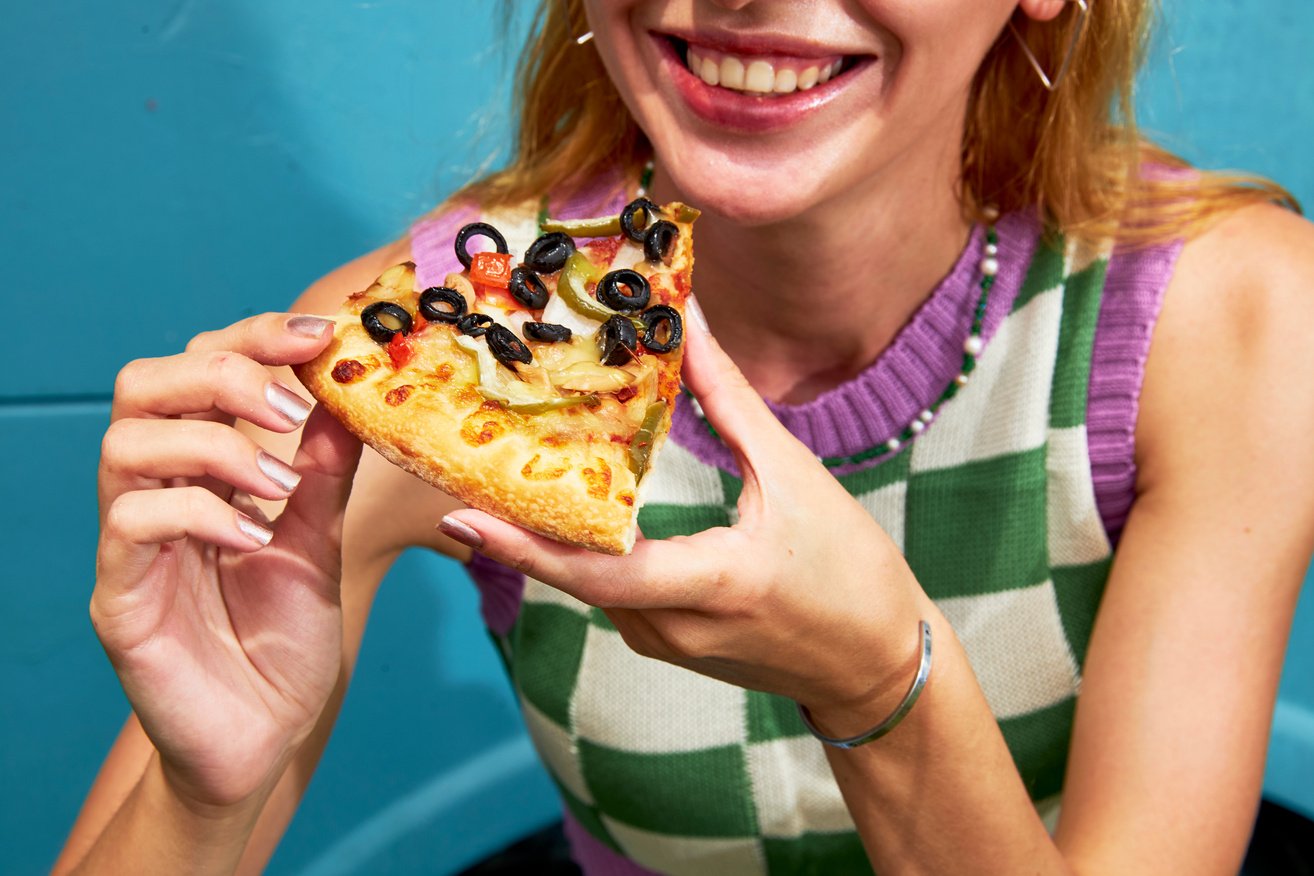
(1133, 295)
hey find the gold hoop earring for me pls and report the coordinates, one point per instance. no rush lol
(1083, 8)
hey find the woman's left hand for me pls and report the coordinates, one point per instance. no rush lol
(805, 596)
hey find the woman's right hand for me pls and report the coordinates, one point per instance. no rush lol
(225, 629)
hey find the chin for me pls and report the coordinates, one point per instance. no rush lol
(750, 190)
(749, 210)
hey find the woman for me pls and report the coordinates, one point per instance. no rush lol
(964, 390)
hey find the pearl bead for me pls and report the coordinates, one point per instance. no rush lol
(697, 409)
(991, 249)
(990, 212)
(961, 380)
(926, 416)
(989, 266)
(892, 445)
(973, 345)
(917, 426)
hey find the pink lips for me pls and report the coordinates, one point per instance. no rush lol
(742, 111)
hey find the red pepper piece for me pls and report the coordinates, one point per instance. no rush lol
(400, 350)
(491, 269)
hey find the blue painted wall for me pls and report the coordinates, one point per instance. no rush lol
(172, 165)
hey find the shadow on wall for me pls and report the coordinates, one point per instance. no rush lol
(171, 167)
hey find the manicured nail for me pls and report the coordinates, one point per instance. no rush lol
(695, 312)
(309, 326)
(291, 406)
(283, 475)
(458, 531)
(261, 535)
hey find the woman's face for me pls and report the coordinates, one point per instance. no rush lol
(762, 110)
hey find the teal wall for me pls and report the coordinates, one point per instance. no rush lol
(172, 165)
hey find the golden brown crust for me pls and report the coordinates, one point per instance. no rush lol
(563, 473)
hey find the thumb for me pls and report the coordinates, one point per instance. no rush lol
(311, 523)
(737, 413)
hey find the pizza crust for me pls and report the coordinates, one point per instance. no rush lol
(489, 457)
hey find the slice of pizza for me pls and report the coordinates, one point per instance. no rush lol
(538, 389)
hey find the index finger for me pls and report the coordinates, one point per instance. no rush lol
(225, 369)
(270, 338)
(763, 448)
(679, 572)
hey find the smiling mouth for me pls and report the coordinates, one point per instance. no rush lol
(758, 74)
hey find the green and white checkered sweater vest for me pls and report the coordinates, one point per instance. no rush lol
(994, 509)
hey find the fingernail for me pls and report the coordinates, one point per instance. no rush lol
(291, 406)
(254, 531)
(283, 475)
(695, 312)
(309, 326)
(458, 531)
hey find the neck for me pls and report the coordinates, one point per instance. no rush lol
(805, 304)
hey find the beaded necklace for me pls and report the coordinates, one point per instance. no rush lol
(972, 347)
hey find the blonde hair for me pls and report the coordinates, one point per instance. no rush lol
(1074, 155)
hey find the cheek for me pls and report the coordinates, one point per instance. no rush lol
(950, 34)
(614, 41)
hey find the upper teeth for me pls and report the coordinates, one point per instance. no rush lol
(757, 75)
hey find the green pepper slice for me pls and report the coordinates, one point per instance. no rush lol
(554, 404)
(641, 443)
(571, 287)
(603, 226)
(687, 213)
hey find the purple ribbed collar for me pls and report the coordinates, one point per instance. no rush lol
(909, 374)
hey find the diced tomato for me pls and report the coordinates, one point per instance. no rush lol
(400, 350)
(491, 269)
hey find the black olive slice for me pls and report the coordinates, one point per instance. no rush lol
(624, 290)
(663, 328)
(617, 340)
(383, 319)
(527, 288)
(658, 241)
(507, 347)
(546, 331)
(478, 229)
(474, 324)
(442, 304)
(628, 228)
(548, 254)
